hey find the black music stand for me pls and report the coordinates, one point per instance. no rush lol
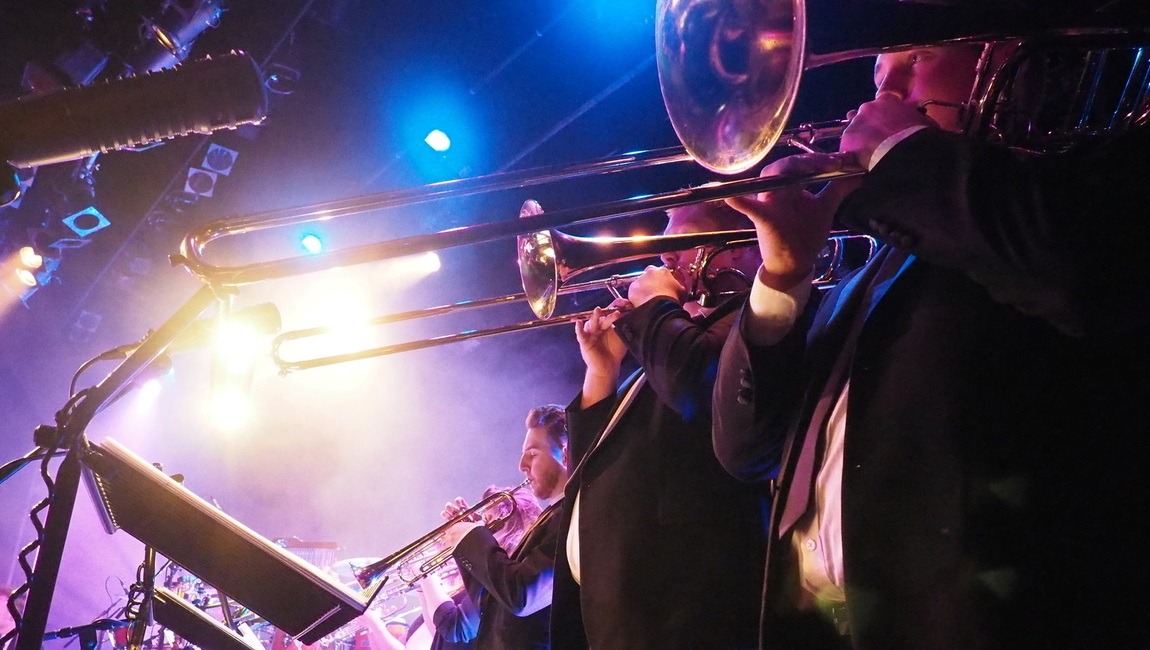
(284, 590)
(194, 626)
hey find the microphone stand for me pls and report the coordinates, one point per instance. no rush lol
(89, 640)
(71, 422)
(143, 615)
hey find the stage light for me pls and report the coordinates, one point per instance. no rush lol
(86, 221)
(237, 344)
(442, 133)
(167, 38)
(200, 182)
(238, 339)
(311, 243)
(30, 258)
(343, 306)
(150, 390)
(409, 269)
(26, 277)
(30, 270)
(438, 140)
(149, 386)
(219, 159)
(426, 264)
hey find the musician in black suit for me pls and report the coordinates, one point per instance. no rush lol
(659, 548)
(513, 580)
(964, 477)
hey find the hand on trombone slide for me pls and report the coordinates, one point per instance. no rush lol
(792, 223)
(600, 346)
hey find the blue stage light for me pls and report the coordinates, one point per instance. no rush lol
(311, 243)
(423, 115)
(438, 140)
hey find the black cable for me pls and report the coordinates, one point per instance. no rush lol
(11, 467)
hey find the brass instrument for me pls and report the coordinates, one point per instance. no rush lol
(404, 568)
(729, 73)
(548, 260)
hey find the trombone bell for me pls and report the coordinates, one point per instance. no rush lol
(729, 72)
(548, 259)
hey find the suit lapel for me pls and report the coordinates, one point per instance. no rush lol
(831, 342)
(629, 391)
(539, 525)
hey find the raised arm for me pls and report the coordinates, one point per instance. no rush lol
(602, 353)
(1052, 235)
(760, 375)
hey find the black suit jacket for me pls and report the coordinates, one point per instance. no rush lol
(671, 547)
(996, 395)
(514, 592)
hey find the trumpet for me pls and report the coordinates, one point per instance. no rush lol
(404, 568)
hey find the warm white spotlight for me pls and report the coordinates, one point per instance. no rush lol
(237, 345)
(438, 140)
(418, 265)
(411, 267)
(149, 391)
(26, 277)
(30, 258)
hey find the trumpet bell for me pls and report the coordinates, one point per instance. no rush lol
(345, 570)
(398, 572)
(729, 72)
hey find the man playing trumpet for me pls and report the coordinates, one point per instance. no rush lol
(513, 585)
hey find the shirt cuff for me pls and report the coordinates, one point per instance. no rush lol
(772, 313)
(888, 144)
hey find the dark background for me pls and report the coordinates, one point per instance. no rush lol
(365, 453)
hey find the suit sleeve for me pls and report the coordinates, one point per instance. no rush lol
(523, 585)
(1053, 235)
(679, 356)
(585, 424)
(457, 620)
(755, 397)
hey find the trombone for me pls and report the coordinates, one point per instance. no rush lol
(415, 561)
(727, 102)
(549, 259)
